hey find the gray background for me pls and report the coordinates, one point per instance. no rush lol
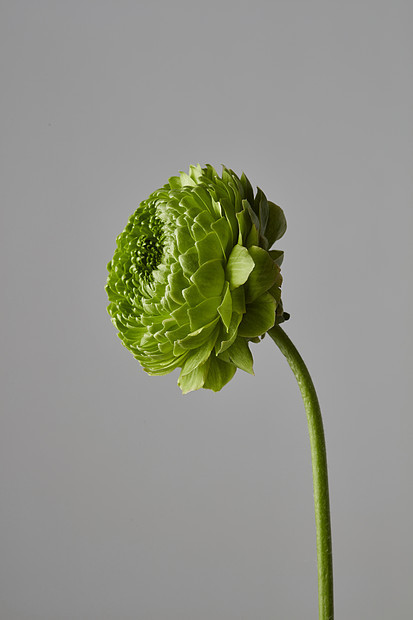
(120, 498)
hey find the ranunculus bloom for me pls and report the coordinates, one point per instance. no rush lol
(193, 279)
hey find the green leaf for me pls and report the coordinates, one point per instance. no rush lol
(210, 278)
(239, 266)
(259, 317)
(219, 373)
(262, 276)
(240, 354)
(225, 309)
(277, 224)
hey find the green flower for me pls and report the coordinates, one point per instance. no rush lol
(193, 279)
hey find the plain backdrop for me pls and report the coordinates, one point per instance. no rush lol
(120, 499)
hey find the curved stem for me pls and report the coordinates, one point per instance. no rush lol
(320, 477)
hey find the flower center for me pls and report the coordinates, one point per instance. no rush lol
(149, 248)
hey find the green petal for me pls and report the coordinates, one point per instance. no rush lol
(224, 233)
(197, 338)
(228, 210)
(228, 336)
(216, 205)
(209, 248)
(225, 309)
(204, 313)
(195, 172)
(262, 276)
(175, 183)
(254, 217)
(197, 357)
(205, 220)
(188, 208)
(193, 380)
(165, 347)
(186, 180)
(277, 256)
(202, 198)
(183, 239)
(275, 291)
(238, 300)
(160, 368)
(180, 315)
(277, 224)
(239, 266)
(248, 191)
(262, 209)
(193, 295)
(240, 355)
(179, 331)
(253, 237)
(189, 261)
(197, 231)
(219, 373)
(210, 278)
(259, 317)
(134, 334)
(177, 283)
(244, 224)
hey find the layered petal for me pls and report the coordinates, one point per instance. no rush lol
(193, 279)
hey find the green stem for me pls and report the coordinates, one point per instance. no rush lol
(320, 477)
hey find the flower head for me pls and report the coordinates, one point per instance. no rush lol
(193, 278)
